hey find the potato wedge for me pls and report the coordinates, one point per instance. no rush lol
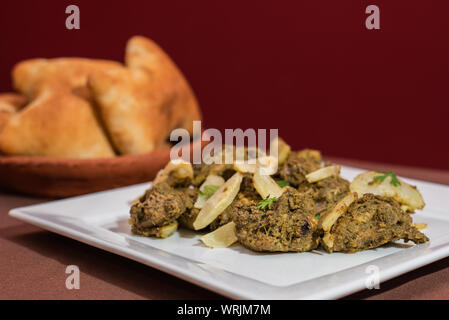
(216, 204)
(420, 226)
(329, 218)
(211, 180)
(323, 173)
(244, 166)
(254, 152)
(228, 154)
(223, 237)
(267, 165)
(266, 186)
(283, 149)
(328, 242)
(245, 159)
(168, 230)
(180, 168)
(407, 195)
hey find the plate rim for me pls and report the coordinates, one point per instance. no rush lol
(223, 287)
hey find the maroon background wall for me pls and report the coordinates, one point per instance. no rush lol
(309, 68)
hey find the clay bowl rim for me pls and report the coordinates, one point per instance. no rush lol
(117, 159)
(42, 160)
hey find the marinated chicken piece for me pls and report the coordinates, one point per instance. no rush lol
(369, 222)
(223, 169)
(298, 165)
(189, 217)
(202, 171)
(289, 225)
(247, 191)
(368, 213)
(200, 174)
(176, 172)
(224, 218)
(326, 193)
(160, 232)
(160, 206)
(310, 154)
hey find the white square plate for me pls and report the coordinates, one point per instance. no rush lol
(101, 220)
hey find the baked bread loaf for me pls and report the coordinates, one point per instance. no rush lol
(59, 120)
(56, 124)
(30, 76)
(88, 108)
(10, 103)
(143, 102)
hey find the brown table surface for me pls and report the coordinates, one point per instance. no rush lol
(33, 263)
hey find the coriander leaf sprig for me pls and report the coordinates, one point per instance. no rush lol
(282, 183)
(208, 191)
(266, 203)
(394, 180)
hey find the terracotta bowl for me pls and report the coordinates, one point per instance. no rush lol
(58, 178)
